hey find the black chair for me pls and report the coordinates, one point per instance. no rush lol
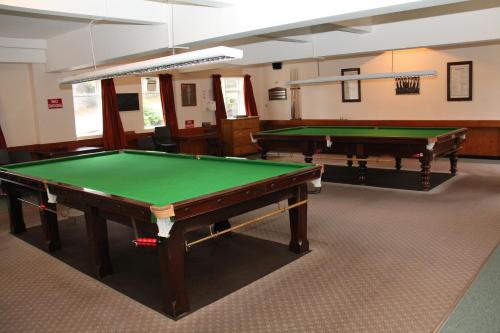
(20, 156)
(163, 140)
(214, 146)
(146, 143)
(4, 157)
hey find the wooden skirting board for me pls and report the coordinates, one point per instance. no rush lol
(483, 138)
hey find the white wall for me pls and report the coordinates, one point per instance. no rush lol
(16, 105)
(197, 113)
(26, 119)
(378, 96)
(204, 93)
(54, 125)
(131, 120)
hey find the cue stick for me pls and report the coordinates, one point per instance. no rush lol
(353, 159)
(260, 218)
(42, 207)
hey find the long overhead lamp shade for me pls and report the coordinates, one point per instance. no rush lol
(193, 58)
(326, 79)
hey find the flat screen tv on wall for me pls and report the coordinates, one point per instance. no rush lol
(128, 102)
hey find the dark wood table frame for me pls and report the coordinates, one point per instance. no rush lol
(426, 149)
(191, 214)
(62, 152)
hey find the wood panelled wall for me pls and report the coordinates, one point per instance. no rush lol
(483, 138)
(95, 142)
(131, 136)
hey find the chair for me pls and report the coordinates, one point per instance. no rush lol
(146, 143)
(163, 140)
(4, 157)
(214, 146)
(20, 156)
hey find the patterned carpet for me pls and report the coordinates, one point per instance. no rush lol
(382, 260)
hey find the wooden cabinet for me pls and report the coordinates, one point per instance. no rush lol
(482, 142)
(204, 143)
(236, 136)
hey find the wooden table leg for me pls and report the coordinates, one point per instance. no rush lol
(49, 223)
(222, 225)
(362, 171)
(97, 232)
(308, 158)
(263, 154)
(308, 151)
(172, 251)
(398, 163)
(425, 163)
(349, 162)
(15, 209)
(453, 163)
(298, 222)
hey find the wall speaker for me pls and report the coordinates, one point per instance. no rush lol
(276, 65)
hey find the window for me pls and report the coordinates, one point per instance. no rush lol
(151, 102)
(88, 108)
(232, 89)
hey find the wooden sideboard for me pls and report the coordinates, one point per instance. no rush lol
(206, 143)
(236, 135)
(483, 138)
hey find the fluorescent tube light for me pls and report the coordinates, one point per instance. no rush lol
(326, 79)
(192, 58)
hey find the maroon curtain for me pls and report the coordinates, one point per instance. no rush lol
(167, 103)
(250, 106)
(220, 110)
(113, 136)
(3, 145)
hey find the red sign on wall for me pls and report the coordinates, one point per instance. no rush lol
(189, 123)
(55, 103)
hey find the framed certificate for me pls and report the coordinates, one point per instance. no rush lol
(188, 94)
(460, 81)
(351, 90)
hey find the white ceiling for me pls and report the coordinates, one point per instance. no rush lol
(21, 25)
(267, 30)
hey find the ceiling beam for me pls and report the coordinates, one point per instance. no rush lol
(355, 30)
(22, 50)
(201, 3)
(135, 11)
(444, 30)
(239, 21)
(23, 43)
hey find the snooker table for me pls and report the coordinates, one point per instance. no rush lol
(362, 142)
(178, 193)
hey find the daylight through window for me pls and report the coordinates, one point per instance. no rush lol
(151, 102)
(232, 89)
(88, 108)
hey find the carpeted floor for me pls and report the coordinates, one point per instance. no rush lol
(478, 310)
(214, 269)
(382, 260)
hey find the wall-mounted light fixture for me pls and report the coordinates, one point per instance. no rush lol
(327, 79)
(192, 58)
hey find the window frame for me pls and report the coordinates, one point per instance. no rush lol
(98, 96)
(145, 93)
(241, 95)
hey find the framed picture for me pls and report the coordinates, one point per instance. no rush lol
(188, 93)
(351, 90)
(277, 93)
(460, 81)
